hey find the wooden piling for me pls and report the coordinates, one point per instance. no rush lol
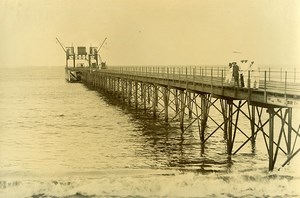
(176, 101)
(289, 136)
(252, 122)
(155, 97)
(144, 96)
(129, 92)
(271, 138)
(166, 102)
(182, 108)
(229, 125)
(204, 115)
(136, 94)
(123, 90)
(189, 103)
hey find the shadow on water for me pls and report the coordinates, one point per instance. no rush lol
(167, 145)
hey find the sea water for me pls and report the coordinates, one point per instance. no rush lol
(60, 139)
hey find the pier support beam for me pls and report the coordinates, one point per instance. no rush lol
(143, 95)
(252, 122)
(118, 85)
(229, 126)
(189, 101)
(289, 131)
(136, 94)
(271, 138)
(126, 88)
(182, 109)
(166, 102)
(204, 115)
(155, 100)
(129, 92)
(123, 90)
(176, 100)
(224, 108)
(149, 93)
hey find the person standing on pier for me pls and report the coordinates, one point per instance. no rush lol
(254, 82)
(235, 72)
(229, 74)
(243, 72)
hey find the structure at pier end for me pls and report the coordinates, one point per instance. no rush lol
(91, 60)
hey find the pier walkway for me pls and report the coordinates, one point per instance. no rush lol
(186, 94)
(276, 87)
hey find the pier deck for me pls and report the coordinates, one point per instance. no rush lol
(272, 89)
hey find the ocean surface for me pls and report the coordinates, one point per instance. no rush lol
(60, 139)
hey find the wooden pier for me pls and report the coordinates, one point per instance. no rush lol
(191, 92)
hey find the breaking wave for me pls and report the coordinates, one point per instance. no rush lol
(150, 183)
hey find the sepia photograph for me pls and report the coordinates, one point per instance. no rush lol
(149, 98)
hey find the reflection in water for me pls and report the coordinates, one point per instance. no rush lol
(169, 146)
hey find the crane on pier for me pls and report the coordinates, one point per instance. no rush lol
(62, 46)
(103, 64)
(70, 54)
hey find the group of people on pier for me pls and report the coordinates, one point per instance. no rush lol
(243, 74)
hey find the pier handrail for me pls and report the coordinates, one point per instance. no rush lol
(273, 80)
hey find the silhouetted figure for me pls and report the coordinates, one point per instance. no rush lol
(243, 72)
(242, 80)
(229, 74)
(235, 73)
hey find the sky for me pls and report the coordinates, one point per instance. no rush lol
(156, 32)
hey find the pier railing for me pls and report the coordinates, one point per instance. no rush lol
(283, 81)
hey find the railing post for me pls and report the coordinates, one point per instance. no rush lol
(222, 81)
(168, 75)
(285, 85)
(202, 75)
(194, 71)
(280, 74)
(211, 80)
(173, 73)
(178, 73)
(265, 87)
(248, 86)
(200, 72)
(186, 73)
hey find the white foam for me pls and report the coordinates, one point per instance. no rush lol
(149, 184)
